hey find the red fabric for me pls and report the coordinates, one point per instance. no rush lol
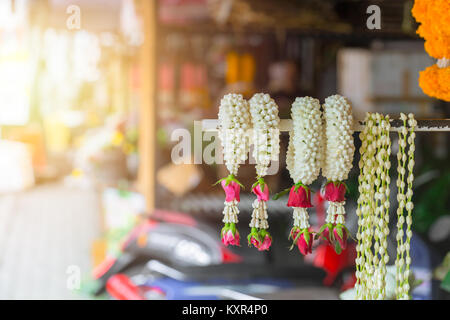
(229, 257)
(120, 287)
(326, 258)
(319, 202)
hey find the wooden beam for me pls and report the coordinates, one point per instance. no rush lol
(147, 114)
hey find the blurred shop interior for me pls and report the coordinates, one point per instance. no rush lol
(91, 92)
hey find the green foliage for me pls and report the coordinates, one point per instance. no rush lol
(445, 284)
(432, 203)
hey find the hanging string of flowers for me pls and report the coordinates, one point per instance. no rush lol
(309, 150)
(382, 192)
(363, 236)
(338, 150)
(434, 17)
(266, 140)
(303, 162)
(373, 208)
(234, 121)
(403, 260)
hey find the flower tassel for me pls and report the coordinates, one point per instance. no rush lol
(338, 149)
(266, 136)
(259, 237)
(234, 121)
(301, 234)
(334, 232)
(229, 233)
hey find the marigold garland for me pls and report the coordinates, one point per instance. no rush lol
(434, 17)
(435, 81)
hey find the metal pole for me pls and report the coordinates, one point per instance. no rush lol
(423, 125)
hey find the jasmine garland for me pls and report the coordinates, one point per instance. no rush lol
(265, 120)
(404, 198)
(303, 162)
(373, 208)
(234, 121)
(338, 149)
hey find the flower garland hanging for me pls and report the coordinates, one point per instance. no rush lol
(234, 121)
(434, 19)
(403, 259)
(373, 208)
(266, 140)
(338, 150)
(303, 161)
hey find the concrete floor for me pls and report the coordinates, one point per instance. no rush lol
(44, 231)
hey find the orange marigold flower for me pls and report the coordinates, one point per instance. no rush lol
(434, 16)
(444, 83)
(420, 9)
(435, 82)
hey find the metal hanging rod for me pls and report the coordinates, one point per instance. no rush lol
(423, 125)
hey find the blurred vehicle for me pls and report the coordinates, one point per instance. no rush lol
(173, 256)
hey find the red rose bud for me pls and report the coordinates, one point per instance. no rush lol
(340, 234)
(262, 195)
(325, 235)
(335, 193)
(300, 198)
(236, 240)
(267, 242)
(254, 241)
(226, 237)
(305, 242)
(253, 238)
(294, 232)
(231, 190)
(230, 238)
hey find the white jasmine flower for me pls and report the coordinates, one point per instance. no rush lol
(339, 147)
(234, 120)
(266, 134)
